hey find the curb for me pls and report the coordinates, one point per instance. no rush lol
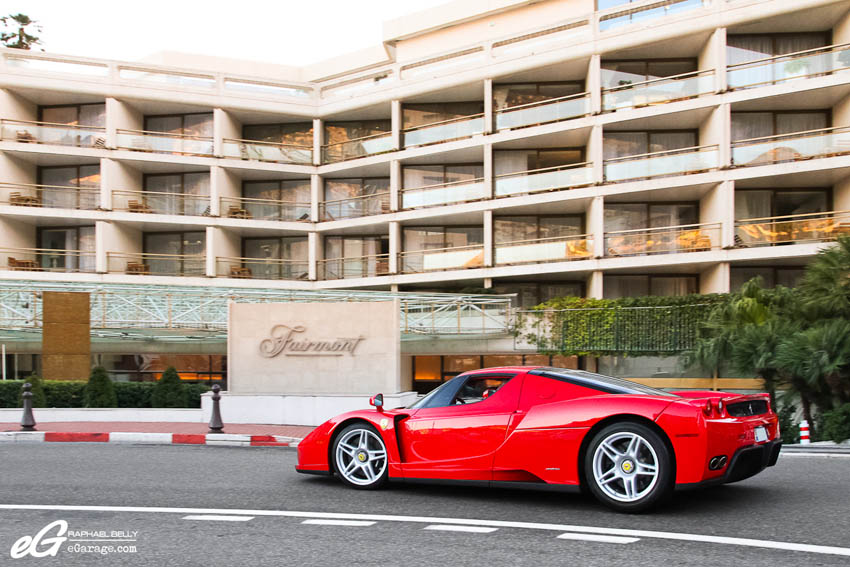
(127, 438)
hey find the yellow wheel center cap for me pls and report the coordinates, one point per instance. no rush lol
(361, 457)
(628, 466)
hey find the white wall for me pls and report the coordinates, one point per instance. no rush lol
(15, 170)
(115, 237)
(15, 107)
(116, 175)
(716, 205)
(15, 234)
(715, 278)
(223, 183)
(223, 243)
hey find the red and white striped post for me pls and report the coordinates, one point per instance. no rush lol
(804, 432)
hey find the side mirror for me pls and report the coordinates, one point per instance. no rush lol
(377, 401)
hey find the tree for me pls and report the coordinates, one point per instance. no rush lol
(169, 392)
(100, 393)
(19, 38)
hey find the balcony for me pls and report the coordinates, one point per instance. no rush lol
(444, 194)
(264, 209)
(455, 258)
(261, 268)
(629, 14)
(52, 196)
(253, 150)
(165, 143)
(447, 130)
(153, 202)
(354, 207)
(354, 267)
(52, 134)
(660, 164)
(792, 229)
(48, 260)
(665, 240)
(147, 264)
(557, 249)
(543, 112)
(545, 179)
(799, 65)
(827, 142)
(358, 148)
(658, 91)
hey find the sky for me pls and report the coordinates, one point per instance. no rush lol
(287, 32)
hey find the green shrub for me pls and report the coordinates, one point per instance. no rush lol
(789, 430)
(134, 394)
(836, 424)
(169, 392)
(10, 393)
(99, 392)
(64, 393)
(194, 392)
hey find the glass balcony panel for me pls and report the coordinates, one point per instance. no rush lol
(163, 143)
(157, 264)
(676, 162)
(262, 268)
(636, 15)
(788, 67)
(48, 260)
(264, 209)
(267, 151)
(52, 196)
(557, 249)
(53, 134)
(354, 267)
(161, 203)
(442, 132)
(444, 194)
(792, 229)
(442, 259)
(354, 207)
(790, 147)
(665, 240)
(658, 91)
(544, 180)
(361, 147)
(543, 112)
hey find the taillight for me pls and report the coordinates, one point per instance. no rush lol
(707, 408)
(720, 407)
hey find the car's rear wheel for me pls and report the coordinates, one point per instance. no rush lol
(628, 467)
(360, 456)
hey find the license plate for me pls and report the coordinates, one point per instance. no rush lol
(761, 434)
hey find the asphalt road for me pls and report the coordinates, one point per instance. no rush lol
(803, 500)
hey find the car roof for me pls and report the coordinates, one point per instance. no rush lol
(492, 369)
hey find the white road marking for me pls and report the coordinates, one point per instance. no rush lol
(338, 522)
(468, 529)
(218, 518)
(827, 455)
(745, 542)
(599, 538)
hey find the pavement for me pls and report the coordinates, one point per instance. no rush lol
(166, 505)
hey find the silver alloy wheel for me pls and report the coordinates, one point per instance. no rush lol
(361, 457)
(625, 466)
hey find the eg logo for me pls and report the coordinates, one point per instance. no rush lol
(29, 545)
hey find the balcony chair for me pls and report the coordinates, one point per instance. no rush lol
(138, 207)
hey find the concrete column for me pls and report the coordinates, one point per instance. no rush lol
(488, 238)
(395, 246)
(16, 170)
(118, 238)
(596, 226)
(594, 285)
(116, 175)
(488, 106)
(316, 190)
(841, 30)
(841, 195)
(489, 178)
(209, 249)
(395, 121)
(15, 107)
(718, 206)
(595, 153)
(593, 83)
(488, 283)
(223, 243)
(224, 126)
(717, 129)
(121, 116)
(713, 56)
(318, 140)
(101, 229)
(715, 278)
(395, 185)
(15, 234)
(314, 253)
(223, 183)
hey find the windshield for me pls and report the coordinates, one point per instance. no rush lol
(422, 402)
(601, 382)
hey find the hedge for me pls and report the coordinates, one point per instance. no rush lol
(67, 394)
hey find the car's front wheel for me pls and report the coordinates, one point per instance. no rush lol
(360, 456)
(628, 467)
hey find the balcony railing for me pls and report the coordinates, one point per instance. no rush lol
(358, 148)
(52, 134)
(792, 229)
(556, 249)
(543, 112)
(826, 142)
(264, 209)
(52, 196)
(454, 129)
(456, 258)
(261, 268)
(545, 179)
(354, 207)
(799, 65)
(148, 264)
(154, 202)
(165, 143)
(658, 164)
(664, 240)
(640, 14)
(267, 151)
(658, 91)
(354, 267)
(47, 260)
(444, 193)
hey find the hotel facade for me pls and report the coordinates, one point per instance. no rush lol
(485, 157)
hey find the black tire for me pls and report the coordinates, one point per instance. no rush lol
(627, 482)
(359, 465)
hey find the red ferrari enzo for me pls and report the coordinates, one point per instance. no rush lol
(539, 427)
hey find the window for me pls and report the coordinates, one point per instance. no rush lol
(414, 115)
(149, 367)
(630, 216)
(623, 144)
(620, 73)
(618, 286)
(93, 115)
(517, 94)
(762, 203)
(355, 257)
(415, 176)
(338, 132)
(771, 277)
(434, 238)
(65, 240)
(83, 176)
(515, 161)
(196, 125)
(292, 248)
(348, 190)
(514, 229)
(180, 253)
(747, 125)
(744, 48)
(531, 294)
(179, 193)
(289, 134)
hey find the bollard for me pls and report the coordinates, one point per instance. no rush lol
(216, 426)
(804, 432)
(28, 421)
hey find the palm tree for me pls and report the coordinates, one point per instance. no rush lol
(825, 287)
(820, 355)
(19, 38)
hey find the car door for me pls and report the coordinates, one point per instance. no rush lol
(458, 440)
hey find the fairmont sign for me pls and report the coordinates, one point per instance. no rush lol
(293, 341)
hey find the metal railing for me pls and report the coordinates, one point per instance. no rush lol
(454, 258)
(161, 203)
(354, 207)
(354, 267)
(444, 193)
(261, 268)
(658, 91)
(51, 196)
(781, 68)
(630, 14)
(358, 147)
(680, 161)
(47, 260)
(444, 131)
(50, 133)
(792, 229)
(165, 143)
(663, 240)
(275, 152)
(825, 142)
(543, 112)
(149, 264)
(554, 249)
(264, 209)
(545, 179)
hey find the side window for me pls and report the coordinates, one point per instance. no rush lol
(479, 388)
